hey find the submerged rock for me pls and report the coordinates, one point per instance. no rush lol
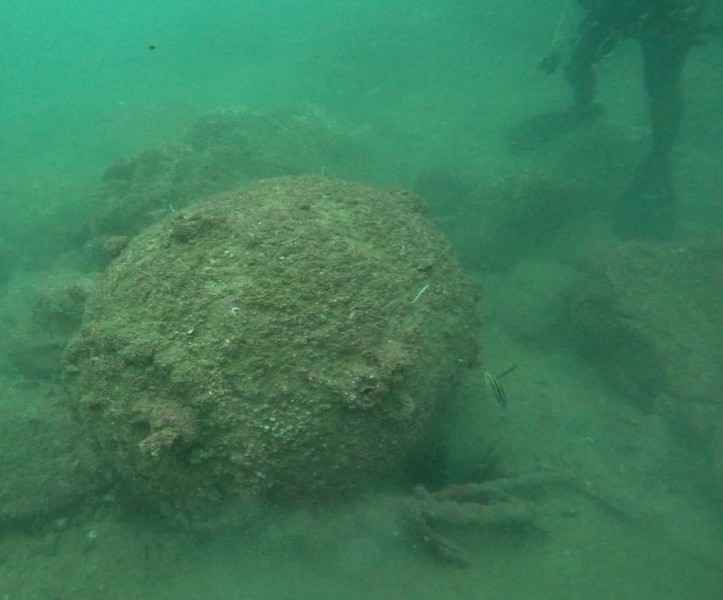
(293, 340)
(219, 152)
(650, 316)
(653, 315)
(42, 313)
(57, 472)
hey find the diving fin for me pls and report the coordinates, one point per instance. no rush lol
(535, 132)
(647, 210)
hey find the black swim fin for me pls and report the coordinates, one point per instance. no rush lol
(539, 130)
(647, 210)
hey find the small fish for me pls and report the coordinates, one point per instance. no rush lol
(494, 385)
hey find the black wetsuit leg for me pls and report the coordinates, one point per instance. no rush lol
(596, 39)
(663, 61)
(648, 208)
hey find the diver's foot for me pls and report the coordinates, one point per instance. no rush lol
(539, 130)
(585, 114)
(647, 210)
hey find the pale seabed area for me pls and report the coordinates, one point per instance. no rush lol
(606, 414)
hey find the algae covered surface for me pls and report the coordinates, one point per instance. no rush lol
(292, 339)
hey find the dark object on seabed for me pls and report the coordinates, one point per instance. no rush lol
(549, 63)
(647, 210)
(539, 130)
(486, 505)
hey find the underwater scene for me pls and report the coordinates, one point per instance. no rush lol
(361, 299)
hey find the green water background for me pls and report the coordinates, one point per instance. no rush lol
(440, 83)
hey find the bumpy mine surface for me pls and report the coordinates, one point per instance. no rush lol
(291, 340)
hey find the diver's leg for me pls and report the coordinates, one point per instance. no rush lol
(663, 62)
(594, 42)
(648, 208)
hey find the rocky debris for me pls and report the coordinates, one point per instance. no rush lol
(220, 151)
(491, 504)
(46, 310)
(54, 473)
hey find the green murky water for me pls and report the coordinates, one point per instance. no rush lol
(118, 116)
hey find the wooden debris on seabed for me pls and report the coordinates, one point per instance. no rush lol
(476, 505)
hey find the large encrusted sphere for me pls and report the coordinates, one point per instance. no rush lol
(291, 340)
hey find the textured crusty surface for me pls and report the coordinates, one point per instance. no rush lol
(47, 467)
(291, 340)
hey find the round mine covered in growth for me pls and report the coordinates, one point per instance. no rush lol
(291, 340)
